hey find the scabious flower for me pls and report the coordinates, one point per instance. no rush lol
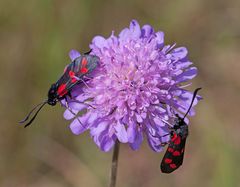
(136, 91)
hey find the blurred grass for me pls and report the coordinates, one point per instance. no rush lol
(35, 39)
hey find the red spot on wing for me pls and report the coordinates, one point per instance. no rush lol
(176, 153)
(73, 80)
(62, 90)
(84, 70)
(174, 137)
(72, 76)
(84, 64)
(168, 160)
(173, 166)
(177, 140)
(170, 149)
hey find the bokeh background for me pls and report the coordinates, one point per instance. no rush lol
(35, 37)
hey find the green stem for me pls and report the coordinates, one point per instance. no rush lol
(114, 165)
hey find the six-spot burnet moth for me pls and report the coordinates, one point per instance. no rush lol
(74, 74)
(173, 157)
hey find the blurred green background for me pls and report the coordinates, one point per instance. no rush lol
(35, 38)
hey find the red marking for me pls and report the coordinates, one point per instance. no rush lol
(174, 137)
(173, 166)
(84, 64)
(84, 70)
(73, 80)
(177, 140)
(176, 153)
(72, 75)
(170, 149)
(168, 160)
(62, 90)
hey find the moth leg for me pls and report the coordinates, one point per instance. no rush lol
(70, 95)
(67, 106)
(167, 142)
(84, 82)
(164, 143)
(79, 79)
(88, 78)
(160, 138)
(170, 126)
(81, 102)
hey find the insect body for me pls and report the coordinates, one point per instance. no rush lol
(173, 157)
(74, 74)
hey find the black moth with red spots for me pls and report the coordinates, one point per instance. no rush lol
(74, 74)
(173, 157)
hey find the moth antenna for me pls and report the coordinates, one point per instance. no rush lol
(193, 97)
(87, 53)
(29, 114)
(35, 115)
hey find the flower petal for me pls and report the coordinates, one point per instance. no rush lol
(133, 32)
(99, 42)
(106, 143)
(135, 29)
(137, 141)
(187, 75)
(121, 132)
(69, 115)
(73, 54)
(77, 128)
(131, 132)
(124, 35)
(146, 31)
(100, 127)
(160, 39)
(80, 124)
(183, 65)
(179, 53)
(155, 144)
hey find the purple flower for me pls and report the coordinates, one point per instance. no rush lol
(137, 90)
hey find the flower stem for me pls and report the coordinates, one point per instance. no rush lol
(114, 165)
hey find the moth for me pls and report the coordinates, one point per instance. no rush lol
(74, 74)
(174, 155)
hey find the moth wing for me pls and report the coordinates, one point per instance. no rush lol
(67, 80)
(174, 155)
(74, 72)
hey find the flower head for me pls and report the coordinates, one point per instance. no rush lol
(137, 89)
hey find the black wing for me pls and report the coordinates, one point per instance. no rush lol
(173, 157)
(74, 72)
